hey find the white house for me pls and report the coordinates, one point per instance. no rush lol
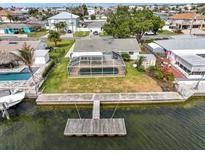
(71, 20)
(101, 57)
(187, 55)
(41, 56)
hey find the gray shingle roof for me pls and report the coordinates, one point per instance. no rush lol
(106, 45)
(63, 15)
(182, 44)
(95, 24)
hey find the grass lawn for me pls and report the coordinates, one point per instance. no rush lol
(166, 32)
(58, 80)
(62, 48)
(103, 34)
(38, 34)
(81, 34)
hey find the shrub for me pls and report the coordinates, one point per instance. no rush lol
(158, 75)
(170, 77)
(178, 31)
(156, 72)
(93, 17)
(126, 57)
(141, 69)
(48, 68)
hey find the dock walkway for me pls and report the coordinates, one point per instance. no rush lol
(108, 98)
(96, 109)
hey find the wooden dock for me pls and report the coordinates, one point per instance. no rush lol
(95, 127)
(96, 109)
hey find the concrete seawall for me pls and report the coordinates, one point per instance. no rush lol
(109, 98)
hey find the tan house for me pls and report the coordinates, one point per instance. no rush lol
(186, 21)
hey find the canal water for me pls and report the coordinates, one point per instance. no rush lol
(148, 127)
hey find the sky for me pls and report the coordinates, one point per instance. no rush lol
(37, 5)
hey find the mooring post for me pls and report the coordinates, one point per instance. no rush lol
(5, 112)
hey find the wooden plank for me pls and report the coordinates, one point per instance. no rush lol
(96, 109)
(91, 127)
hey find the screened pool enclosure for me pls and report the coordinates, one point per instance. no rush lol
(96, 64)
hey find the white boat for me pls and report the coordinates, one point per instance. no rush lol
(14, 98)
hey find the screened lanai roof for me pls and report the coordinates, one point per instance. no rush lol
(106, 45)
(193, 59)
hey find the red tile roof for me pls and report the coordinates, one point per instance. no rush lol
(187, 16)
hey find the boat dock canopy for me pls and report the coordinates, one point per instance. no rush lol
(95, 127)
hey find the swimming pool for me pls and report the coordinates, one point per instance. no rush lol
(23, 75)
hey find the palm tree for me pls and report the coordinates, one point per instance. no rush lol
(54, 37)
(60, 26)
(25, 54)
(10, 17)
(57, 26)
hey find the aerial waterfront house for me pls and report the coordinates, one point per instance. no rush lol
(187, 55)
(71, 20)
(186, 20)
(3, 16)
(101, 57)
(9, 47)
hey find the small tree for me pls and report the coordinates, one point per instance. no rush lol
(26, 56)
(60, 26)
(93, 17)
(54, 37)
(140, 62)
(10, 17)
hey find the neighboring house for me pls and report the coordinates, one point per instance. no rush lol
(41, 56)
(9, 47)
(186, 21)
(94, 25)
(154, 48)
(72, 21)
(3, 16)
(101, 57)
(187, 55)
(12, 28)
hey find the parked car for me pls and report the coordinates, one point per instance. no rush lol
(69, 31)
(95, 33)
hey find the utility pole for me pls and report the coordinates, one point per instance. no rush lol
(72, 18)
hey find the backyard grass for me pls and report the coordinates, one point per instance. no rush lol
(103, 34)
(38, 33)
(58, 80)
(81, 34)
(166, 32)
(61, 49)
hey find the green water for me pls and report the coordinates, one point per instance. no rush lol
(148, 127)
